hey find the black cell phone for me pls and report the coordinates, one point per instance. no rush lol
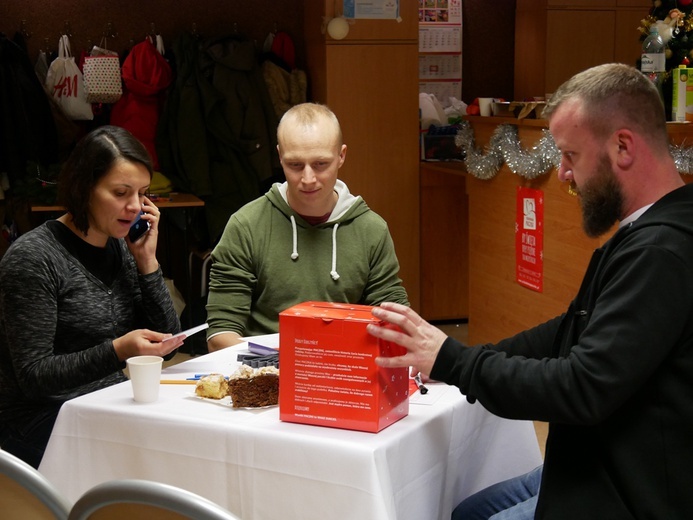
(138, 228)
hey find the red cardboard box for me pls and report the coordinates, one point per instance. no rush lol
(328, 375)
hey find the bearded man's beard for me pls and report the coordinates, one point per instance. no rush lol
(601, 199)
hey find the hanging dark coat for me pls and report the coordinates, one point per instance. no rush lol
(27, 128)
(218, 135)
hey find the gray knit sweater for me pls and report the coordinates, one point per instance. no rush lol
(58, 323)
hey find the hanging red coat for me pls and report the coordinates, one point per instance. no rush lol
(146, 74)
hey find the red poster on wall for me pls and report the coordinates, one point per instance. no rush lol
(529, 238)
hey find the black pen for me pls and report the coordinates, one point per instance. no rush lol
(420, 385)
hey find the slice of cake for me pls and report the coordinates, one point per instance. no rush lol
(212, 386)
(254, 387)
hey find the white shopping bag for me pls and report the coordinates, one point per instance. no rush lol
(65, 83)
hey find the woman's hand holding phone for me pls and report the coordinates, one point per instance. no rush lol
(139, 228)
(142, 237)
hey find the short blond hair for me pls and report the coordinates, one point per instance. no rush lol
(306, 114)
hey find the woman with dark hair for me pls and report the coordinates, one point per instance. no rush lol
(78, 297)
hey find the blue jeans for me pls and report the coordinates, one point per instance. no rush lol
(513, 499)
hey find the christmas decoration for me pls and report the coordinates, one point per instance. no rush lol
(674, 21)
(683, 158)
(505, 148)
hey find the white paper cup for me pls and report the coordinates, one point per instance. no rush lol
(145, 376)
(485, 106)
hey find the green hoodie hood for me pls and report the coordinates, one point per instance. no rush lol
(257, 273)
(348, 207)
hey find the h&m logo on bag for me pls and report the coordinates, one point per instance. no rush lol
(66, 88)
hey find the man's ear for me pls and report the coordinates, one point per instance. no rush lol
(624, 148)
(342, 155)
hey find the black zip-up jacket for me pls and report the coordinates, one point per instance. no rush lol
(613, 376)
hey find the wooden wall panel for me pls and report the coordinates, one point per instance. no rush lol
(379, 120)
(627, 43)
(488, 57)
(530, 49)
(582, 3)
(498, 305)
(444, 242)
(370, 80)
(569, 51)
(634, 3)
(554, 39)
(132, 20)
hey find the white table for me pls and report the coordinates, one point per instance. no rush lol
(262, 468)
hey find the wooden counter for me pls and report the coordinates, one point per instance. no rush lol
(498, 305)
(444, 245)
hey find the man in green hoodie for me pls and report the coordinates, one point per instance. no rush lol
(306, 239)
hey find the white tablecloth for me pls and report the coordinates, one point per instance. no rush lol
(262, 468)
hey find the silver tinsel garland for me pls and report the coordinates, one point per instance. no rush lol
(683, 158)
(504, 147)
